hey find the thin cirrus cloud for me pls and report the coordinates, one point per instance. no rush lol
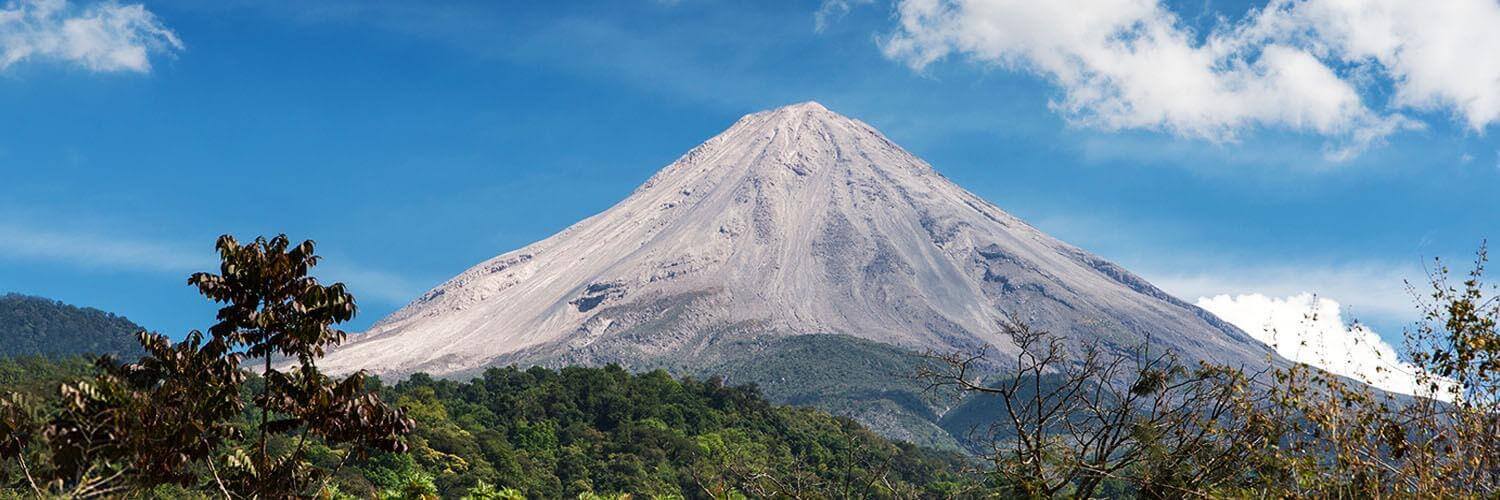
(1351, 72)
(96, 251)
(832, 10)
(93, 251)
(100, 37)
(1310, 329)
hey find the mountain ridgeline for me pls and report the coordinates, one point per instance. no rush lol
(795, 221)
(34, 326)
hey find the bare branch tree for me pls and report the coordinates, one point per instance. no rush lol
(1071, 418)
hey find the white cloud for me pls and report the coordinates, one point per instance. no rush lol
(101, 37)
(832, 10)
(1441, 55)
(1308, 66)
(1311, 329)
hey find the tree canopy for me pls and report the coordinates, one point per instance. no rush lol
(38, 326)
(196, 418)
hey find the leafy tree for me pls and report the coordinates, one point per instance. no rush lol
(174, 416)
(1090, 420)
(485, 491)
(272, 306)
(148, 422)
(577, 432)
(20, 425)
(1338, 437)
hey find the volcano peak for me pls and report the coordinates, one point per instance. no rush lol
(795, 220)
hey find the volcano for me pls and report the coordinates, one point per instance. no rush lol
(794, 221)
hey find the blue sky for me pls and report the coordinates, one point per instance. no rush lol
(413, 140)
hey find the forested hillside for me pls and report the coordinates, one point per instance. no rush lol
(38, 326)
(192, 419)
(603, 431)
(554, 434)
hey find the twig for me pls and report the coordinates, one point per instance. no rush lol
(21, 457)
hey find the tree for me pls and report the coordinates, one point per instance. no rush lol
(1457, 348)
(272, 307)
(1344, 437)
(1075, 418)
(176, 412)
(140, 425)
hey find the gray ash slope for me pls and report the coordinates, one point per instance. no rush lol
(793, 221)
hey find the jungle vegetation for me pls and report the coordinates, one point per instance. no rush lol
(242, 411)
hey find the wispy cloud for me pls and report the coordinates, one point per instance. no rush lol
(1374, 290)
(369, 283)
(97, 251)
(1174, 258)
(833, 10)
(101, 37)
(1308, 66)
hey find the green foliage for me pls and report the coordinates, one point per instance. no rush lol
(32, 326)
(412, 484)
(189, 421)
(176, 418)
(486, 491)
(273, 307)
(1334, 436)
(972, 421)
(1089, 422)
(844, 375)
(39, 376)
(150, 420)
(601, 432)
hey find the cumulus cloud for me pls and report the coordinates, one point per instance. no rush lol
(102, 37)
(1309, 329)
(1310, 66)
(1440, 55)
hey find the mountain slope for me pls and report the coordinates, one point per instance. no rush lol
(793, 221)
(38, 326)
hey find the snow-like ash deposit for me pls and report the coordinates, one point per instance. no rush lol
(793, 221)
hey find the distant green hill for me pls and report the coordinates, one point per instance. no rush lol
(32, 326)
(872, 383)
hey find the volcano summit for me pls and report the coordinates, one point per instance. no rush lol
(793, 221)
